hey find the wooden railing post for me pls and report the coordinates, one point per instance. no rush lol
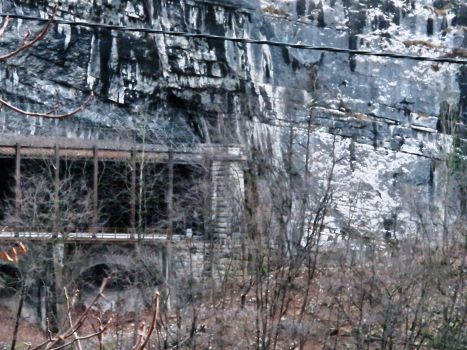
(57, 189)
(170, 194)
(133, 194)
(17, 189)
(95, 218)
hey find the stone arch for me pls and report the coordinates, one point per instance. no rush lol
(132, 265)
(93, 270)
(10, 279)
(123, 277)
(107, 259)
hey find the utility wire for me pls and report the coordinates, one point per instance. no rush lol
(241, 40)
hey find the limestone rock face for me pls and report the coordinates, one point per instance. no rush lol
(377, 123)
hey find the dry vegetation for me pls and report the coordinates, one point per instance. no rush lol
(450, 29)
(381, 300)
(404, 296)
(457, 53)
(276, 11)
(87, 328)
(359, 292)
(409, 43)
(27, 332)
(440, 12)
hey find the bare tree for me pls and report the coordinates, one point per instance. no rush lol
(39, 211)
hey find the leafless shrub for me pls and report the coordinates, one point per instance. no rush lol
(409, 43)
(276, 11)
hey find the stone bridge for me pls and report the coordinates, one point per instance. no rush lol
(138, 260)
(136, 270)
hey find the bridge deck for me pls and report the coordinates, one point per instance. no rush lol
(85, 236)
(40, 147)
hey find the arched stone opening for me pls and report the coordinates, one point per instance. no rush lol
(122, 277)
(10, 280)
(128, 289)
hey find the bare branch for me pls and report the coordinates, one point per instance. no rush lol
(53, 110)
(77, 339)
(153, 324)
(83, 317)
(52, 344)
(5, 25)
(25, 43)
(69, 307)
(26, 37)
(101, 335)
(84, 337)
(48, 329)
(42, 344)
(141, 335)
(48, 114)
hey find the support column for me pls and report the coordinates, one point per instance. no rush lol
(17, 189)
(227, 198)
(167, 253)
(56, 228)
(95, 215)
(133, 194)
(221, 213)
(237, 184)
(170, 194)
(166, 257)
(43, 306)
(58, 252)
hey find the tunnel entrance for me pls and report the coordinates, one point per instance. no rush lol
(6, 184)
(122, 278)
(10, 280)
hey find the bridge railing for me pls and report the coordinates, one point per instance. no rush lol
(88, 233)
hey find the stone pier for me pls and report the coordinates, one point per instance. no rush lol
(228, 198)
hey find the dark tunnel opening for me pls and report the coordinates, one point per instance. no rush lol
(10, 280)
(7, 168)
(121, 277)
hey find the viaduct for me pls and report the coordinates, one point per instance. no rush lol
(57, 256)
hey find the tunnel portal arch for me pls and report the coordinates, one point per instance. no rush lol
(10, 279)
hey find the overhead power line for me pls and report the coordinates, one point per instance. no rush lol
(242, 40)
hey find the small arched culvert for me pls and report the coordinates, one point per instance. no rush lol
(120, 261)
(122, 277)
(10, 280)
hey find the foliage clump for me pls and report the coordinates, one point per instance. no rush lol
(440, 12)
(409, 43)
(457, 53)
(275, 11)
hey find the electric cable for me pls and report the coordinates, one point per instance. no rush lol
(241, 40)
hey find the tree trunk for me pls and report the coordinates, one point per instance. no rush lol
(18, 316)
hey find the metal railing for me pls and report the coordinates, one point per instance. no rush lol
(90, 233)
